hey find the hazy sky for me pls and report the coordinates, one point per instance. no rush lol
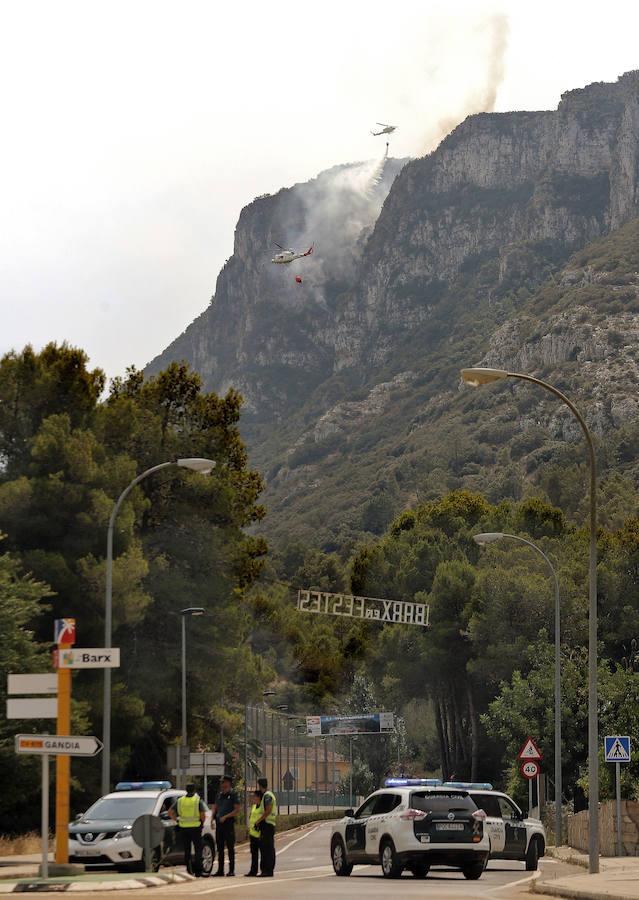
(133, 131)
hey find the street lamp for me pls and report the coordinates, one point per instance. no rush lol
(195, 464)
(490, 538)
(480, 376)
(186, 613)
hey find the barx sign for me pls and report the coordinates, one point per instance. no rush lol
(400, 612)
(88, 658)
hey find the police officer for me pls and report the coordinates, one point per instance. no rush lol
(189, 812)
(266, 825)
(225, 810)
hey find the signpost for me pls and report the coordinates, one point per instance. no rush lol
(64, 636)
(45, 745)
(617, 747)
(530, 758)
(399, 612)
(367, 723)
(147, 832)
(33, 684)
(32, 708)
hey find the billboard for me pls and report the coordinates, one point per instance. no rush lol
(400, 612)
(367, 723)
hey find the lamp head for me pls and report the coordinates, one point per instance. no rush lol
(488, 537)
(197, 464)
(193, 611)
(478, 376)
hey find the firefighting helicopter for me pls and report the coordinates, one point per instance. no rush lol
(386, 129)
(288, 255)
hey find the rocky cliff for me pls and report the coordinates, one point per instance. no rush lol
(351, 378)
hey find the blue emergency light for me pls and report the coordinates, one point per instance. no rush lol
(143, 786)
(412, 782)
(469, 786)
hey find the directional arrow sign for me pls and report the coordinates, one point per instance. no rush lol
(617, 748)
(530, 750)
(56, 744)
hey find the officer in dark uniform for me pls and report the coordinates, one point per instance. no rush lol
(225, 810)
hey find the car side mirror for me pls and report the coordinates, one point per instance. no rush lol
(349, 813)
(78, 817)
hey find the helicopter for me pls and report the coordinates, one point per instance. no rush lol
(386, 129)
(288, 255)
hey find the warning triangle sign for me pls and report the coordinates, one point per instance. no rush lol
(530, 750)
(618, 752)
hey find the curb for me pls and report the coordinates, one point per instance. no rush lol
(127, 884)
(548, 888)
(570, 859)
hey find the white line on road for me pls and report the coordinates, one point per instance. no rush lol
(301, 838)
(264, 882)
(511, 884)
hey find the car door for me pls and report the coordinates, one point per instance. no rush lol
(355, 832)
(514, 828)
(170, 846)
(494, 821)
(377, 821)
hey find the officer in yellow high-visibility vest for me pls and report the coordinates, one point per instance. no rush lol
(254, 832)
(266, 825)
(190, 811)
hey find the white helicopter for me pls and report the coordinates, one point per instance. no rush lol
(386, 129)
(287, 256)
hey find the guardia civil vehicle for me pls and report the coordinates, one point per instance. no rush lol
(101, 837)
(413, 824)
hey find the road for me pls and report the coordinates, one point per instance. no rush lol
(303, 871)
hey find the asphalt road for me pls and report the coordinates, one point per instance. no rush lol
(303, 870)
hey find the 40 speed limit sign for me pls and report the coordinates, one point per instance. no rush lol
(530, 769)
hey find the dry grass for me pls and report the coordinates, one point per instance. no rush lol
(17, 846)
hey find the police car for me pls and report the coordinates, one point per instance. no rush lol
(413, 823)
(512, 835)
(101, 837)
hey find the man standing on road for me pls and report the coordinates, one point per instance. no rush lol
(189, 811)
(225, 810)
(266, 824)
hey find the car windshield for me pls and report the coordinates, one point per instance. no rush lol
(441, 802)
(120, 808)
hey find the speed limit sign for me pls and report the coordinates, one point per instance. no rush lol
(529, 769)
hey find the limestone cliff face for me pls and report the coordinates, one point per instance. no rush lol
(498, 180)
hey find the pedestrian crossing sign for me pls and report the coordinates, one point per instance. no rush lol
(617, 748)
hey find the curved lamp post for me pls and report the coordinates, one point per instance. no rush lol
(195, 464)
(481, 376)
(490, 538)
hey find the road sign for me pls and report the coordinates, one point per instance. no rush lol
(374, 608)
(155, 830)
(530, 750)
(33, 684)
(530, 769)
(58, 744)
(212, 758)
(89, 658)
(32, 708)
(617, 748)
(215, 771)
(64, 631)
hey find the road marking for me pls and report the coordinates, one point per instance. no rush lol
(511, 884)
(265, 882)
(301, 838)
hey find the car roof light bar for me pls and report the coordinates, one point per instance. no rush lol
(143, 786)
(470, 785)
(412, 782)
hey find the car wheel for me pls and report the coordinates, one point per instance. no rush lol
(208, 857)
(338, 858)
(391, 867)
(420, 870)
(473, 871)
(532, 855)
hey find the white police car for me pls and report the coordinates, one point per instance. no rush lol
(101, 837)
(512, 835)
(413, 823)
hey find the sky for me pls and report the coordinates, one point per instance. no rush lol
(132, 132)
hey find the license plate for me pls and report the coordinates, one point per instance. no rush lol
(85, 852)
(449, 826)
